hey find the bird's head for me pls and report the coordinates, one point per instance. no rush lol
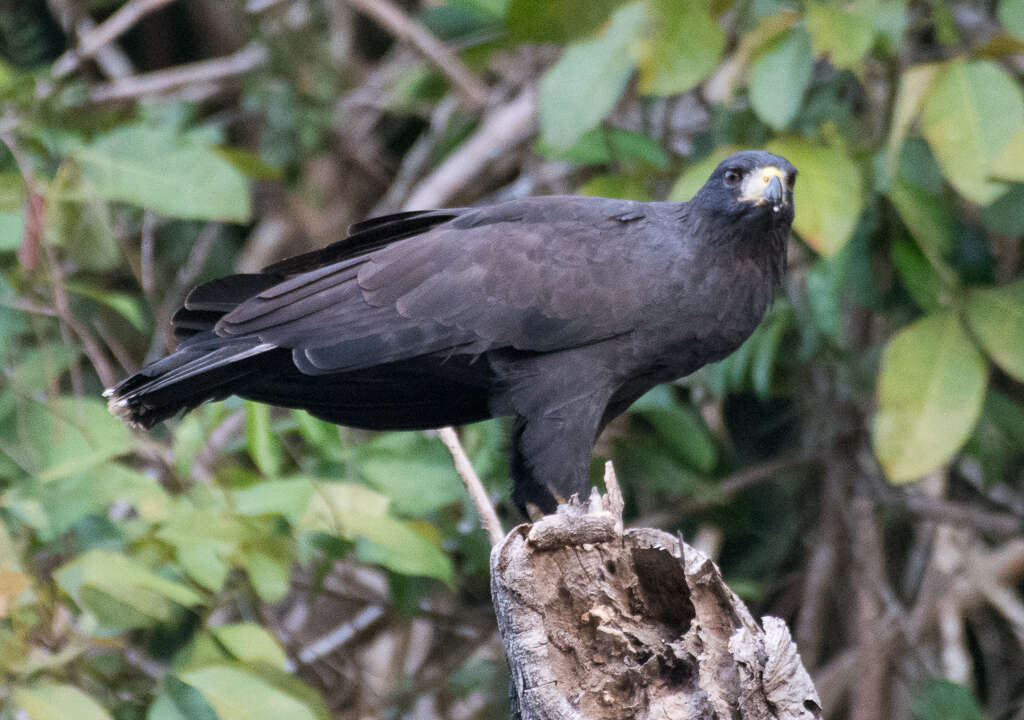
(751, 186)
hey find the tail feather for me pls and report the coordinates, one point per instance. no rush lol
(183, 380)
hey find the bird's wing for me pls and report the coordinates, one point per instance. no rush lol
(536, 275)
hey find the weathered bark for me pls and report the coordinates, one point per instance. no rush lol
(600, 624)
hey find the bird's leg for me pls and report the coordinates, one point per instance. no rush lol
(551, 461)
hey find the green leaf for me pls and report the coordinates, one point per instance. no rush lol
(602, 146)
(270, 576)
(842, 34)
(65, 435)
(318, 433)
(12, 212)
(1011, 15)
(263, 444)
(1006, 215)
(918, 276)
(50, 701)
(1008, 417)
(1009, 163)
(970, 113)
(890, 21)
(130, 307)
(780, 76)
(943, 700)
(931, 387)
(183, 702)
(929, 222)
(121, 592)
(823, 298)
(288, 498)
(357, 513)
(556, 21)
(769, 338)
(493, 8)
(944, 22)
(174, 175)
(12, 192)
(238, 694)
(615, 185)
(12, 225)
(914, 84)
(82, 225)
(163, 708)
(249, 163)
(996, 317)
(250, 643)
(586, 82)
(203, 562)
(68, 499)
(926, 216)
(829, 193)
(686, 45)
(415, 472)
(679, 427)
(647, 461)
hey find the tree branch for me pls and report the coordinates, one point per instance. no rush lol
(398, 23)
(199, 73)
(601, 624)
(113, 27)
(503, 128)
(488, 518)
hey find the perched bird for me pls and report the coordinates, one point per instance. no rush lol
(557, 311)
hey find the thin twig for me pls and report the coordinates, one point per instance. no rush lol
(872, 633)
(198, 73)
(939, 509)
(503, 128)
(341, 635)
(397, 22)
(68, 323)
(821, 568)
(418, 157)
(202, 466)
(183, 282)
(615, 502)
(146, 251)
(110, 59)
(116, 347)
(724, 491)
(110, 29)
(488, 518)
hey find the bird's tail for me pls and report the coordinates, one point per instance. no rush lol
(205, 367)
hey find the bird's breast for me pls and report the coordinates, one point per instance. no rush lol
(705, 317)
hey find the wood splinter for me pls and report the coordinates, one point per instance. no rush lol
(600, 623)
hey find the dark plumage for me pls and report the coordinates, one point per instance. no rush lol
(556, 311)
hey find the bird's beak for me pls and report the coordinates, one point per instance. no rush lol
(773, 194)
(765, 187)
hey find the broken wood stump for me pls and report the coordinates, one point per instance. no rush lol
(604, 624)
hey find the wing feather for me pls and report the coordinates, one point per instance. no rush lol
(529, 275)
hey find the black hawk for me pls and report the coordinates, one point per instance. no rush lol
(556, 311)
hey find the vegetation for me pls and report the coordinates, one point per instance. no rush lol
(857, 468)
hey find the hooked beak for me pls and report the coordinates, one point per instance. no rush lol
(774, 194)
(765, 187)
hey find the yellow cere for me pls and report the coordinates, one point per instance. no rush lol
(755, 183)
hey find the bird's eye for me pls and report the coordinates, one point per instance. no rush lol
(733, 177)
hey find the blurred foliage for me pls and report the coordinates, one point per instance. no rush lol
(902, 326)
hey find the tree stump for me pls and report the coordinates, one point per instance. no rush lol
(601, 624)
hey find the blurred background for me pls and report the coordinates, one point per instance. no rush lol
(856, 468)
